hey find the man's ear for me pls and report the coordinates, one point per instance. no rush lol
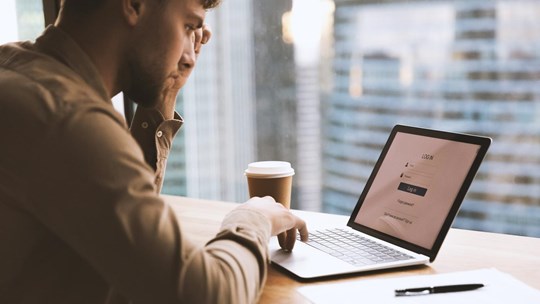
(133, 10)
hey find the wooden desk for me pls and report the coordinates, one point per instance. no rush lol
(462, 249)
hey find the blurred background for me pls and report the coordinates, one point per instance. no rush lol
(320, 84)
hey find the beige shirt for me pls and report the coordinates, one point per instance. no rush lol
(80, 217)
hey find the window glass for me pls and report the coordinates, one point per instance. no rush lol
(320, 83)
(20, 20)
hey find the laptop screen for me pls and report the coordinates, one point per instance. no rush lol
(418, 184)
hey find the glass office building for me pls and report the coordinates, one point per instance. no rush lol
(465, 66)
(29, 18)
(233, 110)
(217, 140)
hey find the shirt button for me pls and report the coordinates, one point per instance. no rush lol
(144, 125)
(159, 134)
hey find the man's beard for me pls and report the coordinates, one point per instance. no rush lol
(145, 87)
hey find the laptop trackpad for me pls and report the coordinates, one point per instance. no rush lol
(306, 261)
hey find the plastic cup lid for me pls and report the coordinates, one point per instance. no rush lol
(269, 169)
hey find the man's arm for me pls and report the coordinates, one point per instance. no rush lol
(97, 195)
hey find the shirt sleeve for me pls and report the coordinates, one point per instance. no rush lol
(155, 135)
(97, 194)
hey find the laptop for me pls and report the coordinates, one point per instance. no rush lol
(404, 212)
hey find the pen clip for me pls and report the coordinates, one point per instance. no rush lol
(413, 291)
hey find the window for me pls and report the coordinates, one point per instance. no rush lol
(20, 20)
(320, 83)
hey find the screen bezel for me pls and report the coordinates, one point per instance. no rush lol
(483, 144)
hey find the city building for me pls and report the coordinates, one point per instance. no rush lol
(463, 66)
(239, 104)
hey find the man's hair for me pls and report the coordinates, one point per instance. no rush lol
(89, 5)
(208, 4)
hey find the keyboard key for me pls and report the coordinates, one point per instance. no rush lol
(353, 248)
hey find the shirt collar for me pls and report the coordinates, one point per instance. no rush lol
(61, 46)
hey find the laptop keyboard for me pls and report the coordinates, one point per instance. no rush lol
(353, 248)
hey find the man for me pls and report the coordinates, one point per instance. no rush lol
(80, 217)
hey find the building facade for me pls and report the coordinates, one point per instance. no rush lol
(239, 105)
(464, 66)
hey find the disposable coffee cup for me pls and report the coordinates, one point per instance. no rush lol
(270, 178)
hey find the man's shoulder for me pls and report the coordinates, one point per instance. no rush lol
(31, 81)
(24, 66)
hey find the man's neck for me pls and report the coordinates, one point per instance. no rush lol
(101, 45)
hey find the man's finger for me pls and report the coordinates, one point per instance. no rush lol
(206, 33)
(198, 33)
(281, 239)
(290, 239)
(302, 228)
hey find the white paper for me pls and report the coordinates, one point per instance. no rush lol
(498, 287)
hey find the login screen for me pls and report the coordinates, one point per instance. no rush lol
(416, 186)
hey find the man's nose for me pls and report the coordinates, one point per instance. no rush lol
(188, 58)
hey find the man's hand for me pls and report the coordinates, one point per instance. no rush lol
(186, 64)
(202, 36)
(284, 223)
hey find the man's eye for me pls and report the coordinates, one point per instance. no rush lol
(189, 27)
